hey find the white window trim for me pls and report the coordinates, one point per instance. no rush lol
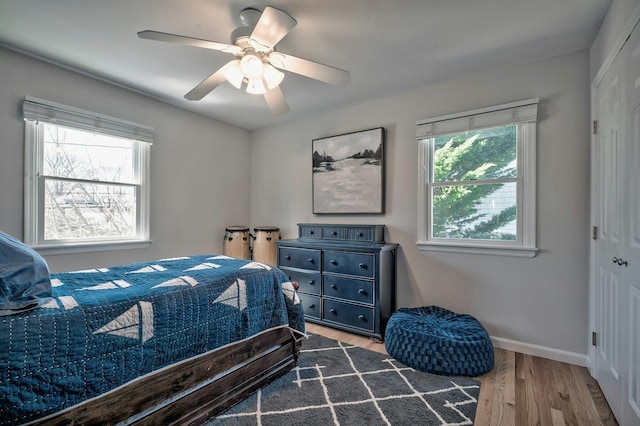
(517, 113)
(38, 110)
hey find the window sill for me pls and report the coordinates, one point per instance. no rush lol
(91, 247)
(477, 249)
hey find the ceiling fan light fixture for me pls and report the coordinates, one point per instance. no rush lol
(272, 76)
(233, 73)
(251, 66)
(255, 86)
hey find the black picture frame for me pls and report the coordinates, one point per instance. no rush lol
(348, 173)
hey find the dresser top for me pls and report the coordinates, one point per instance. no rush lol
(341, 224)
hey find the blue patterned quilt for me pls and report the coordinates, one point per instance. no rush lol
(105, 327)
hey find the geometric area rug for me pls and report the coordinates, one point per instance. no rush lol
(341, 384)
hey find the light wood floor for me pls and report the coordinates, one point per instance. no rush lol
(522, 389)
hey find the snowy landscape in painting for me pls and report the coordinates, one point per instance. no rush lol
(348, 173)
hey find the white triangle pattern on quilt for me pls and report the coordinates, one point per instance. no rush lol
(180, 281)
(256, 265)
(135, 323)
(235, 295)
(148, 269)
(205, 265)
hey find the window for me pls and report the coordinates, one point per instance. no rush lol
(477, 181)
(86, 180)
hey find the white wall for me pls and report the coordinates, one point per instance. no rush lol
(541, 300)
(199, 167)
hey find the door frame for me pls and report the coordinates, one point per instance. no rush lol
(594, 190)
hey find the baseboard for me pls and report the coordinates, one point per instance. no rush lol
(541, 351)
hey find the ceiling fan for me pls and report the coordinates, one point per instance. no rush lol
(257, 63)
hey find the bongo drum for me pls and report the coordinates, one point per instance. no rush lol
(264, 246)
(236, 242)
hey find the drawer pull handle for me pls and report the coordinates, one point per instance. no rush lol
(333, 262)
(310, 260)
(360, 234)
(361, 291)
(363, 266)
(361, 317)
(312, 306)
(288, 257)
(312, 282)
(333, 311)
(310, 232)
(333, 286)
(335, 233)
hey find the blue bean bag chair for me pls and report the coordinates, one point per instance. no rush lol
(439, 341)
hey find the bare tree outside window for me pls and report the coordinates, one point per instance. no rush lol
(90, 188)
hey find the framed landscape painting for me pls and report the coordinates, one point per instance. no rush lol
(348, 173)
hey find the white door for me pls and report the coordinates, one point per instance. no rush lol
(617, 287)
(630, 255)
(608, 319)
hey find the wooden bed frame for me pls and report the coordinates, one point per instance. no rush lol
(192, 391)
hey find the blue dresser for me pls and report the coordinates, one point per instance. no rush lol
(346, 275)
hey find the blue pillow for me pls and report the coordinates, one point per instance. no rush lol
(24, 277)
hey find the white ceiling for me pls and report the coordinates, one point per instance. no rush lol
(389, 47)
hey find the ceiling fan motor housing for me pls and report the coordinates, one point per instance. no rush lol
(240, 36)
(249, 18)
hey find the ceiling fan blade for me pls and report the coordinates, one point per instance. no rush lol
(188, 41)
(310, 69)
(273, 25)
(207, 85)
(275, 100)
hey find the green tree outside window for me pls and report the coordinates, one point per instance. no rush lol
(474, 189)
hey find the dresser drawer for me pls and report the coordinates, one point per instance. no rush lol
(348, 288)
(309, 281)
(309, 231)
(299, 258)
(361, 233)
(347, 314)
(334, 233)
(310, 305)
(358, 264)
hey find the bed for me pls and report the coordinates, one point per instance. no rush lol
(174, 341)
